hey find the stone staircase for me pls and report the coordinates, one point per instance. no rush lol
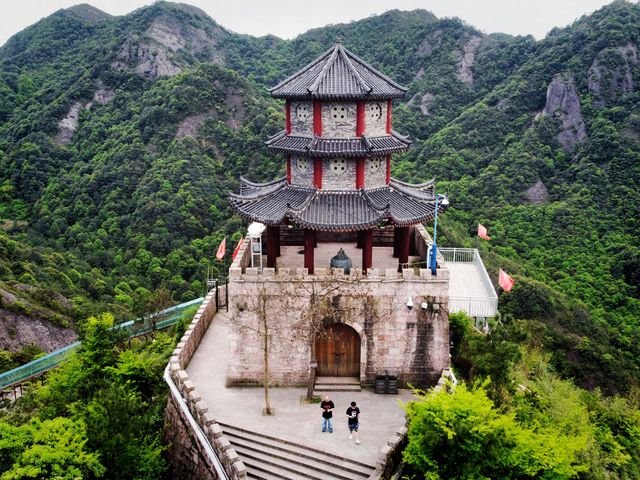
(271, 458)
(336, 384)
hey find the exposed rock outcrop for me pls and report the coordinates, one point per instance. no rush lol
(103, 94)
(563, 102)
(67, 126)
(155, 53)
(17, 331)
(422, 102)
(23, 323)
(429, 43)
(190, 125)
(537, 193)
(467, 58)
(611, 73)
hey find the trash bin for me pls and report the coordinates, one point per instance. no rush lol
(386, 383)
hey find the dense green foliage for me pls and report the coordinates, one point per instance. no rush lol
(520, 420)
(100, 412)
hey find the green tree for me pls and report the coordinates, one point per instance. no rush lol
(47, 449)
(462, 435)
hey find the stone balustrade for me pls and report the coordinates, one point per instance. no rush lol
(178, 428)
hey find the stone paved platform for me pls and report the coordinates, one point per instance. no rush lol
(300, 423)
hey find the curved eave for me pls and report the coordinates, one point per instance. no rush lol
(339, 147)
(337, 211)
(337, 97)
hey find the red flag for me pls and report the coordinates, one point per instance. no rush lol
(235, 252)
(482, 232)
(505, 281)
(222, 249)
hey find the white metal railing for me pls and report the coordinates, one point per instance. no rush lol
(485, 306)
(474, 306)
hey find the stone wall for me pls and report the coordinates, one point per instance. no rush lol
(410, 343)
(338, 119)
(188, 455)
(375, 172)
(302, 118)
(339, 174)
(375, 119)
(302, 171)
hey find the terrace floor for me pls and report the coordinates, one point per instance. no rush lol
(293, 256)
(300, 423)
(464, 281)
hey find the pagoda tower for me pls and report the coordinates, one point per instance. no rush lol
(347, 308)
(338, 143)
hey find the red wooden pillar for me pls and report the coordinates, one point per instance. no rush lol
(277, 234)
(317, 173)
(360, 119)
(389, 117)
(289, 169)
(317, 118)
(287, 114)
(367, 250)
(388, 169)
(272, 245)
(309, 245)
(403, 247)
(396, 241)
(360, 173)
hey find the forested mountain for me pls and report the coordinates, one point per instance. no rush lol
(121, 136)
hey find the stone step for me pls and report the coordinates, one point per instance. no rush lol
(337, 388)
(339, 468)
(337, 381)
(289, 463)
(270, 458)
(262, 472)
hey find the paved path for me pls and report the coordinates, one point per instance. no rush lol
(301, 423)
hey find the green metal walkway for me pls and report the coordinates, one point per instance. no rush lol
(166, 318)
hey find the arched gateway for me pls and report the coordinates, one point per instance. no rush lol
(338, 351)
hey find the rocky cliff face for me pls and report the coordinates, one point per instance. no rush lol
(563, 103)
(23, 322)
(160, 50)
(611, 73)
(467, 58)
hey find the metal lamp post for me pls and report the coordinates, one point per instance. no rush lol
(434, 248)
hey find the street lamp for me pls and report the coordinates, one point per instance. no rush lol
(434, 249)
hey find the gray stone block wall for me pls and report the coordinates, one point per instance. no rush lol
(338, 119)
(412, 344)
(302, 118)
(339, 174)
(375, 172)
(302, 171)
(375, 119)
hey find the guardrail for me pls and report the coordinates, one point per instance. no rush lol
(40, 365)
(485, 306)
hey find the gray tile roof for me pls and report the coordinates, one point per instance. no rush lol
(343, 147)
(275, 202)
(338, 75)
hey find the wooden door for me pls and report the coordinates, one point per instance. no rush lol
(338, 352)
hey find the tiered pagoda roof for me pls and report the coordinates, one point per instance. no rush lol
(338, 75)
(275, 202)
(339, 147)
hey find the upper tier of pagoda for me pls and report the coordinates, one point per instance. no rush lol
(338, 75)
(338, 143)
